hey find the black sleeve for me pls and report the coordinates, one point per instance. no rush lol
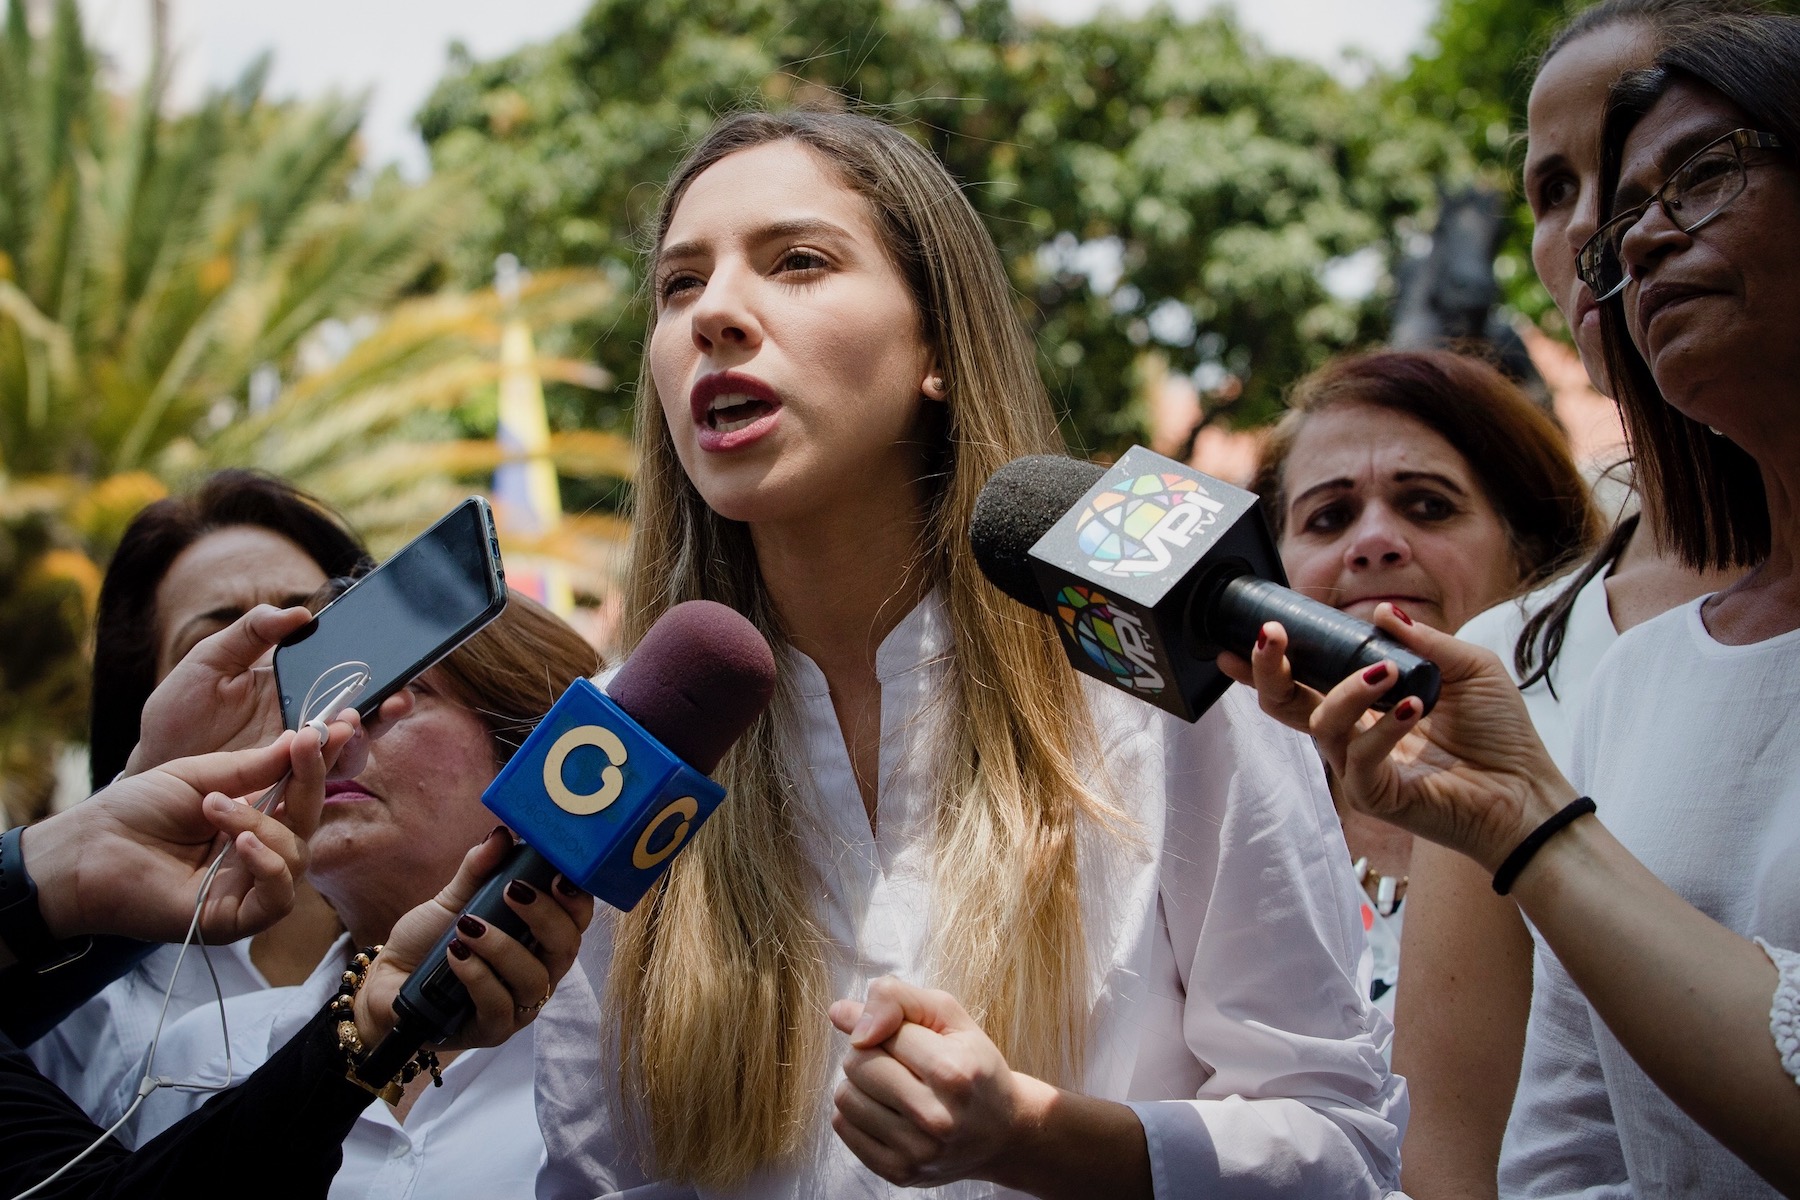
(31, 1005)
(291, 1114)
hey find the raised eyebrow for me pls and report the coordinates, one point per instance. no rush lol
(775, 231)
(1432, 477)
(680, 250)
(1537, 169)
(802, 227)
(1330, 485)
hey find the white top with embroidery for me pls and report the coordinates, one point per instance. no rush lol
(1784, 1010)
(1226, 1003)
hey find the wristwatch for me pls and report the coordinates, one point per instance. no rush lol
(22, 926)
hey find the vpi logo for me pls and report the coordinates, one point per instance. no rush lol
(1112, 638)
(1128, 529)
(612, 780)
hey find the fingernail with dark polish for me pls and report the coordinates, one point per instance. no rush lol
(499, 831)
(457, 949)
(1262, 638)
(1408, 708)
(1401, 613)
(566, 888)
(1376, 673)
(521, 892)
(471, 926)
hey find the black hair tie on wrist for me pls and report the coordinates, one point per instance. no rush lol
(1522, 854)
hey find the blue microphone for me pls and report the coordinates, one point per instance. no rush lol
(605, 792)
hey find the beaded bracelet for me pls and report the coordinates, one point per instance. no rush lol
(1522, 854)
(350, 1043)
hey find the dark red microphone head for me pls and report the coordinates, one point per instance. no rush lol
(697, 681)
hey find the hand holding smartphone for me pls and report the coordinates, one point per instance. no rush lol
(397, 621)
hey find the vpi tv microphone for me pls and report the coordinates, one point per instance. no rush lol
(605, 792)
(1151, 569)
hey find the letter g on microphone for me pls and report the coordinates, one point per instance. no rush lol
(683, 811)
(596, 794)
(612, 780)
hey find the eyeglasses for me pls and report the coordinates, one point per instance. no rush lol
(1693, 194)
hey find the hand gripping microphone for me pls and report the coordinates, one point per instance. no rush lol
(1150, 569)
(604, 792)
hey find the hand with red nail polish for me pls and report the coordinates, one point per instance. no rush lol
(1472, 776)
(1281, 695)
(507, 982)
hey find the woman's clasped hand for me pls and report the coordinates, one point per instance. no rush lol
(927, 1098)
(1472, 775)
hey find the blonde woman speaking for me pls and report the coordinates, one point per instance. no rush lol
(965, 920)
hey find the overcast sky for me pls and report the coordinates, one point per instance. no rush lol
(396, 48)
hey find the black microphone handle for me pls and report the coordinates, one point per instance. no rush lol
(433, 1004)
(1325, 646)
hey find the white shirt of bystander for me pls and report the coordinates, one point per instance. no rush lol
(474, 1138)
(93, 1050)
(1691, 749)
(1589, 634)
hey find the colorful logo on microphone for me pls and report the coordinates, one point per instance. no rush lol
(1129, 530)
(1113, 639)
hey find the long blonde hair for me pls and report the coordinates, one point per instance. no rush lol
(719, 980)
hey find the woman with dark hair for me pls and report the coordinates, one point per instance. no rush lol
(188, 566)
(239, 539)
(128, 861)
(1428, 480)
(1465, 948)
(387, 842)
(1676, 921)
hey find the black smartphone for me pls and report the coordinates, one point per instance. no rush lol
(399, 619)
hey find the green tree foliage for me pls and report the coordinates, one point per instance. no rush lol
(1155, 184)
(149, 265)
(166, 282)
(1475, 74)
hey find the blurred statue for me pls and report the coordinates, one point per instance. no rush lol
(1448, 296)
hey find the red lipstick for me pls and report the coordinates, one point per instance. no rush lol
(731, 410)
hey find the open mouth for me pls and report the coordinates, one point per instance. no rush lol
(734, 411)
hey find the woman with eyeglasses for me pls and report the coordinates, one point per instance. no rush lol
(1676, 921)
(1460, 1028)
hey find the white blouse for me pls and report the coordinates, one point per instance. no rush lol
(475, 1138)
(1553, 702)
(1691, 749)
(1225, 936)
(97, 1048)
